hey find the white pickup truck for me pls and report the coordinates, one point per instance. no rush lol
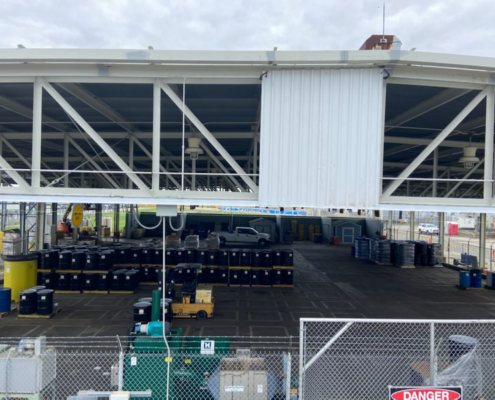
(244, 235)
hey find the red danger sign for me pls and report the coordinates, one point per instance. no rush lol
(425, 393)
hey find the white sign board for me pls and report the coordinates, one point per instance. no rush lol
(207, 347)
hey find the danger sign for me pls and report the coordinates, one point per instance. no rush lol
(425, 393)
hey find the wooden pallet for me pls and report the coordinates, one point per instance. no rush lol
(13, 308)
(152, 265)
(283, 267)
(245, 285)
(126, 265)
(67, 291)
(121, 292)
(95, 272)
(283, 286)
(37, 316)
(239, 268)
(468, 288)
(44, 270)
(95, 291)
(67, 271)
(149, 283)
(234, 285)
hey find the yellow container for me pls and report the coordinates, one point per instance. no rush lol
(204, 295)
(20, 273)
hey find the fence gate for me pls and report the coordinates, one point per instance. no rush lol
(361, 358)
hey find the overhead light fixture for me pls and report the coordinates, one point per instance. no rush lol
(469, 158)
(194, 150)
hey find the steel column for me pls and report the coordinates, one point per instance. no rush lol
(36, 144)
(54, 214)
(157, 96)
(98, 218)
(441, 229)
(131, 161)
(4, 215)
(488, 175)
(40, 225)
(66, 160)
(435, 173)
(22, 227)
(193, 170)
(412, 223)
(255, 159)
(481, 255)
(390, 218)
(434, 143)
(116, 217)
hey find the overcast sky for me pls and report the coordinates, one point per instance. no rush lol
(450, 26)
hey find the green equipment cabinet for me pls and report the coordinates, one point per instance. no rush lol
(146, 366)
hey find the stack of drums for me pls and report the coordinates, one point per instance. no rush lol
(362, 246)
(420, 253)
(435, 254)
(405, 255)
(382, 252)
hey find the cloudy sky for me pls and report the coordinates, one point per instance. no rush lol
(450, 26)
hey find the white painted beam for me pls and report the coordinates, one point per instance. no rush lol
(24, 186)
(220, 165)
(426, 142)
(92, 133)
(468, 174)
(155, 156)
(36, 143)
(76, 135)
(207, 134)
(489, 137)
(435, 142)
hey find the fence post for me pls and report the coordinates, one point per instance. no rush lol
(288, 376)
(448, 251)
(433, 369)
(121, 366)
(301, 358)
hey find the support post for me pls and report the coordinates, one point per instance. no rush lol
(488, 173)
(22, 226)
(98, 217)
(435, 173)
(481, 255)
(116, 217)
(4, 215)
(36, 144)
(155, 168)
(412, 223)
(66, 160)
(255, 159)
(434, 143)
(40, 225)
(433, 366)
(54, 214)
(208, 176)
(390, 220)
(441, 229)
(193, 178)
(131, 161)
(288, 376)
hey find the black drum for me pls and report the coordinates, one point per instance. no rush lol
(245, 277)
(142, 312)
(149, 274)
(107, 260)
(277, 258)
(256, 258)
(158, 256)
(78, 260)
(178, 275)
(92, 261)
(103, 282)
(223, 258)
(27, 303)
(201, 275)
(180, 256)
(223, 275)
(118, 279)
(44, 259)
(190, 256)
(266, 258)
(288, 277)
(255, 277)
(234, 257)
(76, 281)
(189, 273)
(52, 257)
(44, 302)
(245, 258)
(201, 256)
(131, 281)
(48, 279)
(212, 275)
(123, 256)
(288, 258)
(147, 256)
(277, 276)
(266, 277)
(63, 281)
(65, 260)
(90, 281)
(38, 288)
(212, 257)
(170, 257)
(168, 310)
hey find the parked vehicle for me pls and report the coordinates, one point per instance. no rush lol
(244, 235)
(429, 229)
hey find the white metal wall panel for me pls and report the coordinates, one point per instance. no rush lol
(321, 138)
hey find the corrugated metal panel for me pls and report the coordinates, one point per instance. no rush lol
(321, 138)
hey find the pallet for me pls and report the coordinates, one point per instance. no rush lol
(282, 267)
(260, 268)
(239, 268)
(149, 283)
(44, 270)
(67, 271)
(383, 264)
(126, 265)
(37, 316)
(121, 291)
(67, 291)
(283, 286)
(262, 286)
(218, 284)
(468, 288)
(95, 291)
(95, 272)
(403, 267)
(245, 285)
(234, 285)
(7, 313)
(152, 265)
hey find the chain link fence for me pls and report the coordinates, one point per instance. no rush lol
(360, 359)
(229, 369)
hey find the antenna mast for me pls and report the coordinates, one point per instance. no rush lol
(383, 36)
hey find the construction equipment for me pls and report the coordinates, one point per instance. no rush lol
(192, 306)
